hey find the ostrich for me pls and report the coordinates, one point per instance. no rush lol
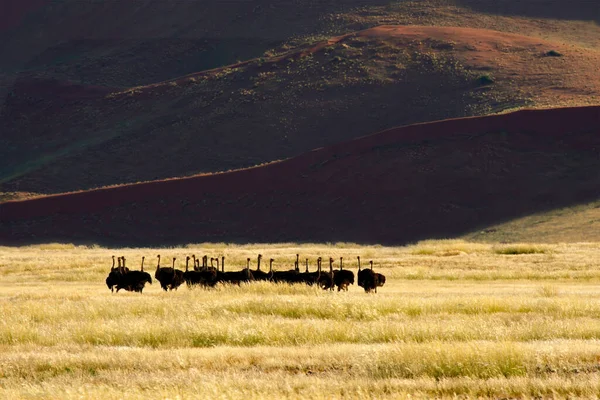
(325, 278)
(365, 277)
(343, 277)
(379, 278)
(122, 266)
(186, 273)
(134, 280)
(203, 275)
(289, 276)
(310, 278)
(235, 277)
(177, 277)
(258, 274)
(205, 265)
(194, 277)
(114, 276)
(332, 273)
(169, 277)
(197, 263)
(369, 280)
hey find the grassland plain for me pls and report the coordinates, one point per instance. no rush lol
(455, 319)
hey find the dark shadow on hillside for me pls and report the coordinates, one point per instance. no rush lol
(258, 114)
(424, 181)
(129, 43)
(125, 63)
(585, 10)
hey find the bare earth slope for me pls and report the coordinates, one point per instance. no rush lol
(401, 185)
(62, 136)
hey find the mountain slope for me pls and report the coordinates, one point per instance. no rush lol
(81, 137)
(125, 43)
(428, 180)
(580, 223)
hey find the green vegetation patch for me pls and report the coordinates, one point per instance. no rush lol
(485, 80)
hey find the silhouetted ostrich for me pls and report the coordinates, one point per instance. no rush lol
(310, 278)
(177, 277)
(326, 278)
(114, 276)
(122, 266)
(134, 280)
(365, 278)
(197, 266)
(289, 276)
(194, 277)
(368, 279)
(203, 275)
(235, 277)
(169, 277)
(186, 273)
(379, 278)
(343, 278)
(258, 274)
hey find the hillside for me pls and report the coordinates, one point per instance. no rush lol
(127, 43)
(267, 109)
(580, 223)
(47, 45)
(437, 179)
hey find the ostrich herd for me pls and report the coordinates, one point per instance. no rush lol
(121, 277)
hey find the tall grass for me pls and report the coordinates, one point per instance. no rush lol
(474, 324)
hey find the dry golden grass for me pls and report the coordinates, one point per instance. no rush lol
(454, 319)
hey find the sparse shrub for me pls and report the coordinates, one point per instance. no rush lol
(553, 53)
(424, 252)
(485, 80)
(520, 249)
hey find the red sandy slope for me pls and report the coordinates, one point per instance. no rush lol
(400, 185)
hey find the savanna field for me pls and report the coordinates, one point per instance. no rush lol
(454, 319)
(315, 125)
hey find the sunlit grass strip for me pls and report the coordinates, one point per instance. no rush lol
(459, 320)
(220, 318)
(445, 260)
(429, 368)
(477, 359)
(249, 385)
